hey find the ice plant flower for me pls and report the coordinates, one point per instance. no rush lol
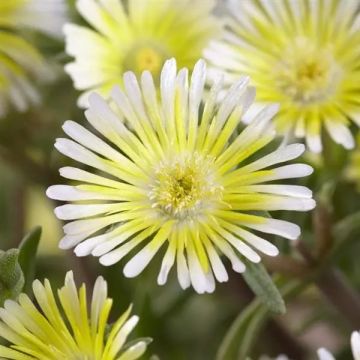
(76, 331)
(168, 171)
(21, 64)
(324, 354)
(139, 35)
(301, 54)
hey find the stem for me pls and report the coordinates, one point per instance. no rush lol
(334, 286)
(322, 229)
(286, 265)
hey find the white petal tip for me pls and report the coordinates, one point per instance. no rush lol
(63, 244)
(105, 262)
(94, 99)
(255, 259)
(295, 233)
(239, 268)
(108, 259)
(51, 192)
(273, 252)
(311, 204)
(323, 354)
(82, 250)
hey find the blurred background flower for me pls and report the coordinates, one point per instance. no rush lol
(21, 63)
(137, 35)
(303, 55)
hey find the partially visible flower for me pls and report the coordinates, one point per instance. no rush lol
(21, 64)
(136, 35)
(279, 357)
(301, 54)
(43, 15)
(324, 354)
(173, 170)
(76, 331)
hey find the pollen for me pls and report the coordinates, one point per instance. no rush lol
(185, 187)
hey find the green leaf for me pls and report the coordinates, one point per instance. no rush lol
(231, 343)
(11, 277)
(27, 255)
(243, 333)
(263, 286)
(347, 227)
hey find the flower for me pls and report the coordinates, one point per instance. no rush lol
(301, 54)
(169, 171)
(136, 37)
(18, 72)
(44, 15)
(43, 332)
(324, 354)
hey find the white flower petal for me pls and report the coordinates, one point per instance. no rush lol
(323, 354)
(197, 276)
(167, 264)
(216, 264)
(134, 352)
(182, 270)
(138, 263)
(278, 227)
(355, 344)
(340, 133)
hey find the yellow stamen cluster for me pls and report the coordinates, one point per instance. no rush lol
(185, 186)
(306, 73)
(145, 57)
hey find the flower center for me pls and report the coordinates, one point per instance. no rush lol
(184, 187)
(145, 57)
(307, 74)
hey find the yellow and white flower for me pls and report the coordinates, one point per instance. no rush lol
(324, 354)
(173, 171)
(21, 64)
(137, 36)
(301, 54)
(76, 331)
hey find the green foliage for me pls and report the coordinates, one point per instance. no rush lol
(241, 336)
(236, 339)
(263, 286)
(27, 254)
(11, 277)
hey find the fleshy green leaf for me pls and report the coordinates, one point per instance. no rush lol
(27, 255)
(264, 288)
(11, 277)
